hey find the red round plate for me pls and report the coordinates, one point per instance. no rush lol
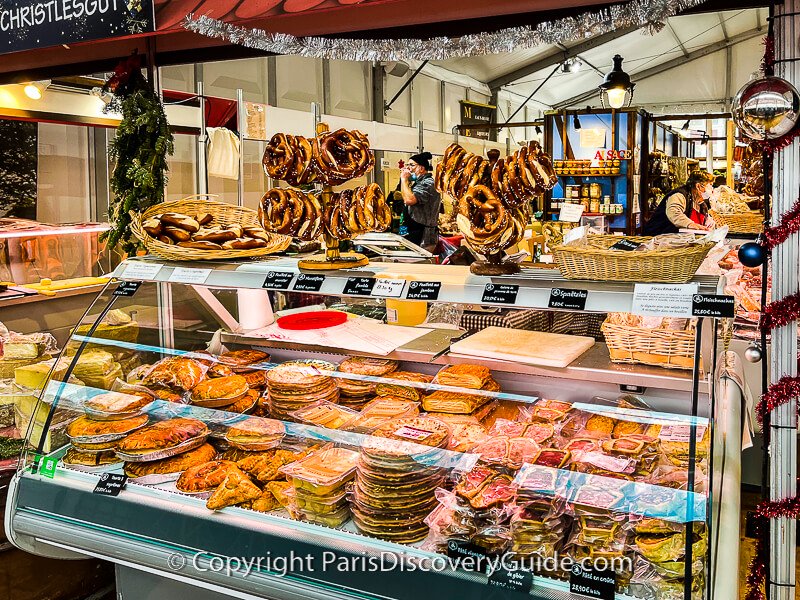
(318, 319)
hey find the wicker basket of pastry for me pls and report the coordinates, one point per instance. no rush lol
(662, 342)
(662, 259)
(196, 228)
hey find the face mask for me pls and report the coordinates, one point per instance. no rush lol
(413, 177)
(707, 192)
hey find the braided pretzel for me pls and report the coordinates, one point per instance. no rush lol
(539, 163)
(291, 212)
(342, 155)
(279, 156)
(482, 218)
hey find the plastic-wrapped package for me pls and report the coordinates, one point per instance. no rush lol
(444, 315)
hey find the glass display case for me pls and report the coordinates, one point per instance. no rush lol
(196, 432)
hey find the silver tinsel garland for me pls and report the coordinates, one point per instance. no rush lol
(646, 14)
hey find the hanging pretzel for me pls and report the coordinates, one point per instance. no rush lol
(342, 155)
(291, 212)
(279, 156)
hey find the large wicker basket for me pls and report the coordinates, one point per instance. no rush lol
(744, 222)
(658, 347)
(596, 262)
(222, 212)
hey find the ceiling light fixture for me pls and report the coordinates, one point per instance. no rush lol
(35, 89)
(576, 122)
(617, 87)
(571, 65)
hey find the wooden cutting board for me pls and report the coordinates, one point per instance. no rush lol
(519, 345)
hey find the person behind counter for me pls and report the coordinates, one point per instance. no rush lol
(422, 200)
(685, 207)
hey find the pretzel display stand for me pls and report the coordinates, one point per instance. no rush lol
(333, 258)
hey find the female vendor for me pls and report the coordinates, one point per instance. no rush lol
(685, 207)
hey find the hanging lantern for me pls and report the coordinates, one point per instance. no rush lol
(766, 108)
(617, 90)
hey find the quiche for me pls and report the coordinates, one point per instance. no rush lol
(163, 435)
(84, 427)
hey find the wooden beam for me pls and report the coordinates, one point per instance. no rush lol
(557, 57)
(670, 64)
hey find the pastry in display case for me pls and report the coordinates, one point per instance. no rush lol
(363, 446)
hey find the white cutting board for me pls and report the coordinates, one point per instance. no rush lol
(519, 345)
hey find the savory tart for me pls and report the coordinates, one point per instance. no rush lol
(84, 429)
(240, 358)
(394, 385)
(221, 389)
(256, 378)
(245, 404)
(419, 430)
(325, 414)
(236, 488)
(118, 402)
(256, 433)
(453, 402)
(89, 459)
(163, 435)
(204, 476)
(463, 375)
(361, 365)
(94, 446)
(173, 464)
(176, 372)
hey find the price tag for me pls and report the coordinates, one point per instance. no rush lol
(110, 484)
(517, 581)
(127, 288)
(143, 271)
(358, 286)
(663, 300)
(712, 305)
(592, 583)
(308, 283)
(278, 280)
(47, 466)
(624, 244)
(413, 433)
(470, 557)
(570, 213)
(191, 276)
(389, 288)
(681, 433)
(424, 290)
(568, 299)
(500, 293)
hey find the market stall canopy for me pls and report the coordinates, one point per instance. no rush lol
(93, 34)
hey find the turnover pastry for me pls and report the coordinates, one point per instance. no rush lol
(176, 372)
(173, 464)
(236, 488)
(89, 459)
(204, 476)
(85, 429)
(464, 375)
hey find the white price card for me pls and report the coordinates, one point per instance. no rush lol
(193, 276)
(663, 299)
(142, 271)
(570, 213)
(389, 288)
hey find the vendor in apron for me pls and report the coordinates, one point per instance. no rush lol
(422, 201)
(685, 207)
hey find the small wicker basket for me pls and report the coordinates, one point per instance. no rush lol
(657, 347)
(743, 222)
(222, 212)
(595, 261)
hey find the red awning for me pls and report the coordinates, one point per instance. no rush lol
(361, 18)
(220, 112)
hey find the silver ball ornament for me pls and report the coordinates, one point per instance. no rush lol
(753, 353)
(766, 108)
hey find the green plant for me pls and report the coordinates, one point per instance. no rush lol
(140, 148)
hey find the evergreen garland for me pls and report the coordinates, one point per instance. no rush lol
(140, 148)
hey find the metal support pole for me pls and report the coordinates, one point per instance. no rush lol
(783, 421)
(241, 121)
(317, 115)
(421, 131)
(408, 82)
(202, 168)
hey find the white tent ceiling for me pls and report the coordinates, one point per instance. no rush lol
(696, 63)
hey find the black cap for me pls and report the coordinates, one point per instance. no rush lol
(423, 159)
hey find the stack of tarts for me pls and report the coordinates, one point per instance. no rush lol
(109, 418)
(299, 383)
(354, 390)
(396, 478)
